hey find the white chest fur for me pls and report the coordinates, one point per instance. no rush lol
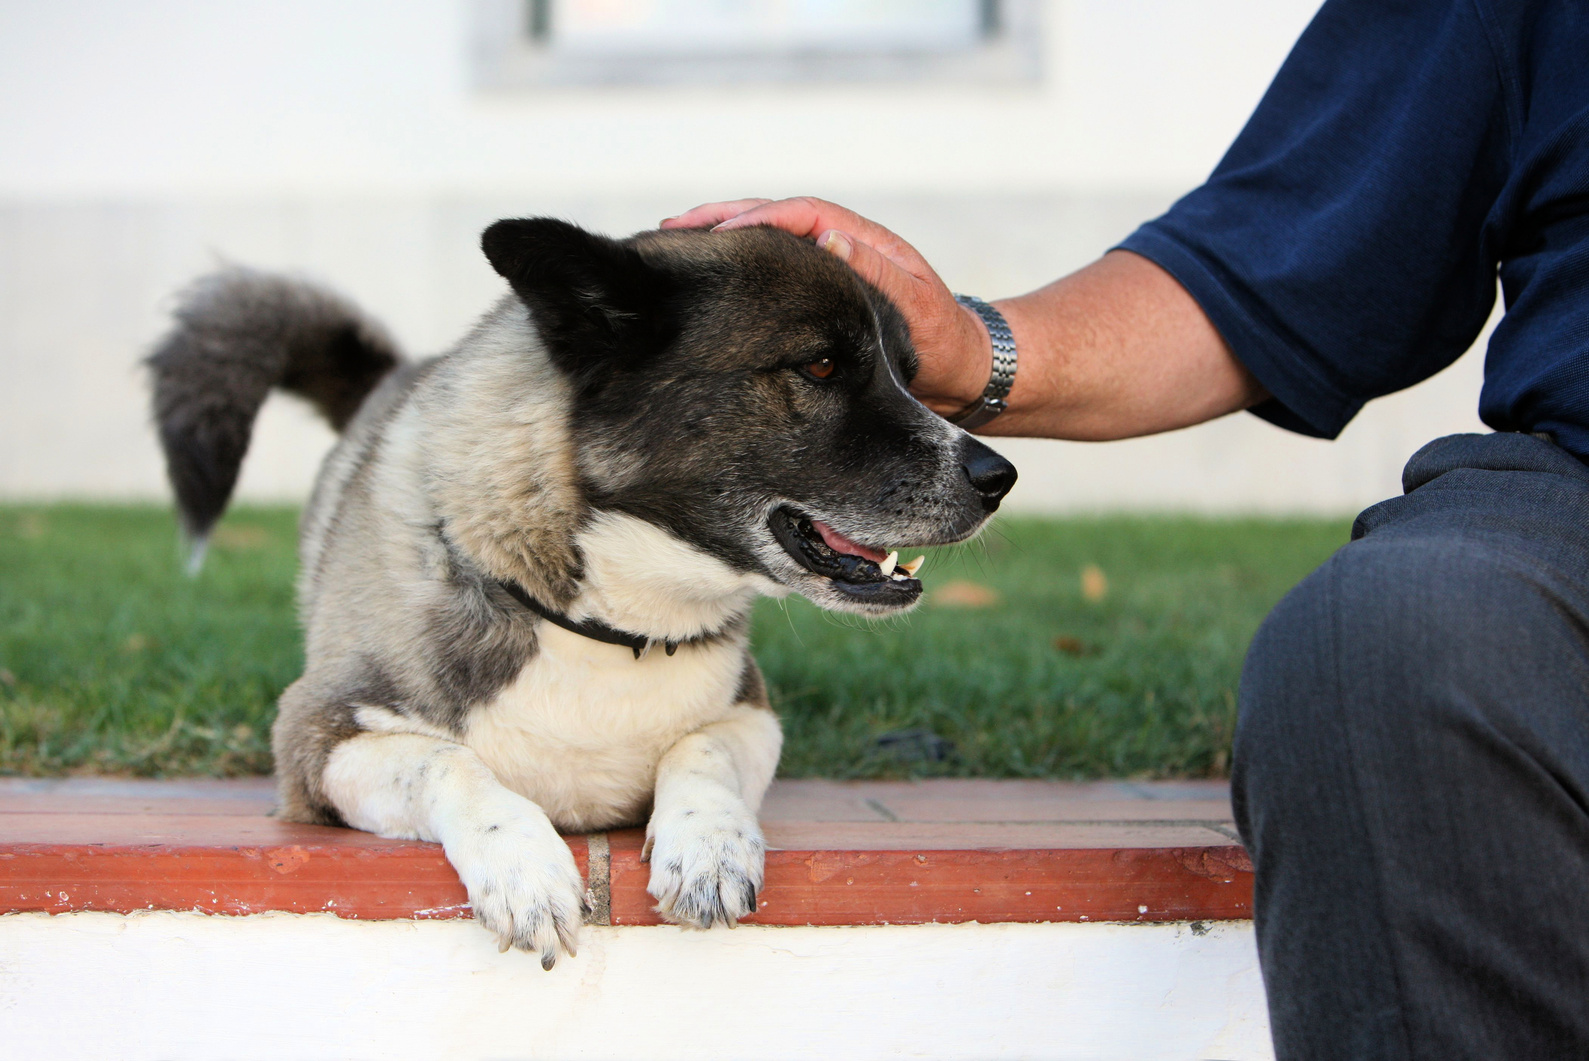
(580, 730)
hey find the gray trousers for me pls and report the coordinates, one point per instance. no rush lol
(1412, 770)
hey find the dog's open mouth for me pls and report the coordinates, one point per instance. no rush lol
(869, 575)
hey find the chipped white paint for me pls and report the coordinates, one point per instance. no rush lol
(182, 985)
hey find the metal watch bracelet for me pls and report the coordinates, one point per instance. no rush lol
(992, 400)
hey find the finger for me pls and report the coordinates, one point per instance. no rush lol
(869, 265)
(810, 217)
(803, 216)
(708, 214)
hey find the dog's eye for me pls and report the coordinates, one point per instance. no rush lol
(819, 369)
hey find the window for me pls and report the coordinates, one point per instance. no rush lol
(539, 42)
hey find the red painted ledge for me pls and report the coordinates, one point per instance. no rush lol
(840, 854)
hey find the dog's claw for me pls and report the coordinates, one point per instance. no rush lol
(503, 943)
(548, 959)
(567, 936)
(645, 852)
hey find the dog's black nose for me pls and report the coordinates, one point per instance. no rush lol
(990, 474)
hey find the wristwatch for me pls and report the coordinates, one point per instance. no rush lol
(991, 402)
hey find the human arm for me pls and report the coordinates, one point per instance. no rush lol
(1115, 350)
(1346, 247)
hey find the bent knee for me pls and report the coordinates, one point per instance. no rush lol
(1400, 634)
(1423, 606)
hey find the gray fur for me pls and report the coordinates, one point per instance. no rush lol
(239, 334)
(752, 687)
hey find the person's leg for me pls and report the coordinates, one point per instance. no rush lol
(1412, 771)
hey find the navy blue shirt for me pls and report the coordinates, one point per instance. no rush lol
(1348, 244)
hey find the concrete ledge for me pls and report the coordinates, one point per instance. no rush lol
(840, 854)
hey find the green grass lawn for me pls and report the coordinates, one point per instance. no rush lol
(1048, 648)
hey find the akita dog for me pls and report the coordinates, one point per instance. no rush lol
(529, 563)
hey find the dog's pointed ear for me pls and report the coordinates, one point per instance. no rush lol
(598, 304)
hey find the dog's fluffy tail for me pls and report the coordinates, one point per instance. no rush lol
(239, 333)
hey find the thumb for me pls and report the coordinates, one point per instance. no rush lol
(882, 273)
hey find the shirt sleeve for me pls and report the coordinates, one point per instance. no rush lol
(1340, 246)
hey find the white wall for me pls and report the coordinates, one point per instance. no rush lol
(103, 97)
(141, 142)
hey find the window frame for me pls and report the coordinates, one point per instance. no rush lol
(512, 49)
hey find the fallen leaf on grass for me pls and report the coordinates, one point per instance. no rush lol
(240, 536)
(1094, 583)
(1074, 646)
(963, 594)
(30, 526)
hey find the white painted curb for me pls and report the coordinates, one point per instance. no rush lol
(184, 985)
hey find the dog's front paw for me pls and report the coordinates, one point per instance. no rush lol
(707, 857)
(522, 881)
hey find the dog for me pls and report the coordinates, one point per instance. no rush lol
(528, 565)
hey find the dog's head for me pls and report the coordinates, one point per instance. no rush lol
(746, 391)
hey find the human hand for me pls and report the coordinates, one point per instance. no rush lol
(955, 352)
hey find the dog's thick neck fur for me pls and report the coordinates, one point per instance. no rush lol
(641, 579)
(505, 486)
(498, 460)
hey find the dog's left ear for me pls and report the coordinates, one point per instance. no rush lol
(599, 305)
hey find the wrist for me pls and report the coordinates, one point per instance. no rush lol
(968, 366)
(974, 369)
(992, 401)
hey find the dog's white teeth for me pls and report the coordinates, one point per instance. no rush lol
(914, 566)
(888, 562)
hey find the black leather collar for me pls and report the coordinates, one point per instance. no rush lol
(594, 629)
